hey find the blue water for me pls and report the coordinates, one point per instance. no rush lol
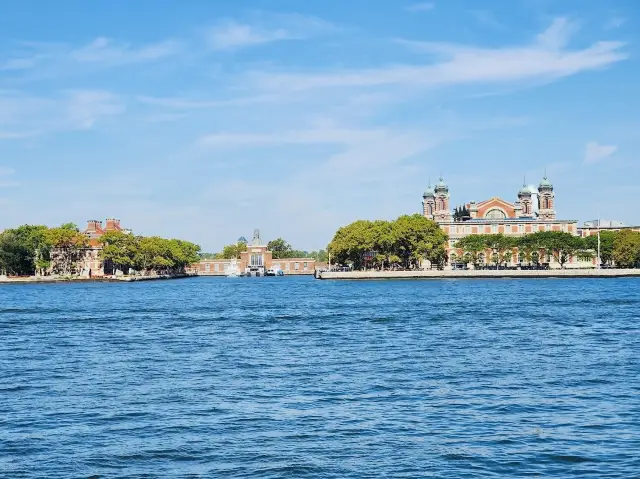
(293, 377)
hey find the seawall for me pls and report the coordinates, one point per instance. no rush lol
(95, 279)
(461, 274)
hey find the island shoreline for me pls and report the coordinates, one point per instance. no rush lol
(479, 274)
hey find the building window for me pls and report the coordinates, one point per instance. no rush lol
(207, 268)
(520, 229)
(296, 266)
(495, 215)
(256, 260)
(287, 266)
(216, 267)
(494, 228)
(467, 230)
(305, 266)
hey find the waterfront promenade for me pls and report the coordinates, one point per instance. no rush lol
(450, 274)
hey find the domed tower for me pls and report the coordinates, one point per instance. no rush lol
(526, 200)
(546, 200)
(442, 212)
(429, 203)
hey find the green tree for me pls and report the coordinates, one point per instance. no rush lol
(626, 249)
(232, 251)
(25, 250)
(406, 242)
(501, 247)
(473, 247)
(120, 249)
(320, 256)
(280, 248)
(607, 241)
(68, 248)
(529, 248)
(562, 246)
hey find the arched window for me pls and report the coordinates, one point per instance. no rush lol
(495, 215)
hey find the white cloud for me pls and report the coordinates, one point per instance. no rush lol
(23, 115)
(544, 59)
(232, 35)
(558, 34)
(420, 7)
(326, 134)
(106, 51)
(186, 103)
(595, 152)
(85, 107)
(18, 64)
(267, 28)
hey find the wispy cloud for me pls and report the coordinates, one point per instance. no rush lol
(17, 64)
(420, 7)
(267, 28)
(233, 35)
(106, 51)
(543, 59)
(594, 152)
(85, 107)
(23, 115)
(557, 36)
(189, 103)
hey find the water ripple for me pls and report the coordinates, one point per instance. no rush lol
(292, 377)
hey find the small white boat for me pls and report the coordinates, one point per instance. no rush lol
(233, 271)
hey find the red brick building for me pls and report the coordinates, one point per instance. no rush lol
(257, 259)
(91, 264)
(533, 211)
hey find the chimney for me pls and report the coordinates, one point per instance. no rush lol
(113, 224)
(93, 226)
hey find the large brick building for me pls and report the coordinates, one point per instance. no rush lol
(533, 211)
(91, 264)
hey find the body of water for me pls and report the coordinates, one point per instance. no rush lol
(293, 377)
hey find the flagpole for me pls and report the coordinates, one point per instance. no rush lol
(599, 264)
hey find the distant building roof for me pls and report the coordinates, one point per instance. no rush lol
(603, 224)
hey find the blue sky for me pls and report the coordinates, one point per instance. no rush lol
(204, 120)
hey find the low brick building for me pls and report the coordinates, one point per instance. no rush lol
(257, 259)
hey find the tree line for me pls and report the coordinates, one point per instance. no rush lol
(408, 240)
(619, 248)
(36, 249)
(147, 254)
(401, 243)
